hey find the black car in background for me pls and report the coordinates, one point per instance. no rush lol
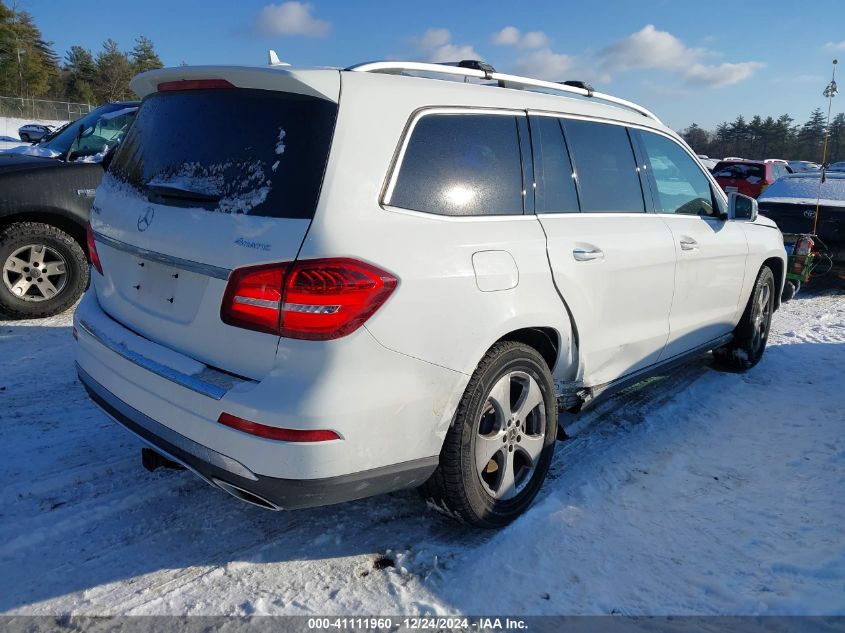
(46, 191)
(791, 203)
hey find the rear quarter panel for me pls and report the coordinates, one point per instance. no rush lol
(438, 313)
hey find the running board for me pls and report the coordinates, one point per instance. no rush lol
(573, 398)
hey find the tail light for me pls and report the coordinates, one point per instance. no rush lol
(317, 299)
(93, 255)
(253, 298)
(277, 433)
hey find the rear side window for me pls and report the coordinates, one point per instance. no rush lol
(259, 152)
(681, 185)
(605, 167)
(740, 171)
(461, 164)
(555, 191)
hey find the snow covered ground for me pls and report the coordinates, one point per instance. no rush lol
(697, 493)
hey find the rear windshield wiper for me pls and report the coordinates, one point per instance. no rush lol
(181, 192)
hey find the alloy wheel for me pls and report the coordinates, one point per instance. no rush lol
(510, 435)
(761, 319)
(35, 273)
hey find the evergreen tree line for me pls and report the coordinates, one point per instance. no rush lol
(762, 138)
(29, 67)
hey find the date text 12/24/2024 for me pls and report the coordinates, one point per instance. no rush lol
(417, 624)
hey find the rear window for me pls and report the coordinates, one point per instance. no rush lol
(256, 152)
(740, 171)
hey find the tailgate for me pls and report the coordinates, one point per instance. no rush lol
(207, 181)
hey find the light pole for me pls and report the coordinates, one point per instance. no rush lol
(830, 91)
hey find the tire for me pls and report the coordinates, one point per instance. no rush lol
(752, 332)
(22, 245)
(520, 441)
(790, 289)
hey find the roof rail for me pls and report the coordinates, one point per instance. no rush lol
(504, 80)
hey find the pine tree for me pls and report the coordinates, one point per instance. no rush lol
(80, 75)
(143, 56)
(836, 139)
(113, 73)
(28, 64)
(811, 136)
(697, 138)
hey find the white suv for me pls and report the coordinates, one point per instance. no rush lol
(319, 285)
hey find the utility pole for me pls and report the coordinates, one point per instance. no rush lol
(830, 92)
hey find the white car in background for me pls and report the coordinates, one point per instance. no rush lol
(708, 162)
(798, 166)
(34, 132)
(368, 281)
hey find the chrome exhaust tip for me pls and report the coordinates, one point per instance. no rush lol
(245, 495)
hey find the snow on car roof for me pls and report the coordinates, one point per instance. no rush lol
(804, 188)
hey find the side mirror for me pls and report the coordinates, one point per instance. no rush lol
(741, 207)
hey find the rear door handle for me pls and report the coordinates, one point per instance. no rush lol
(585, 255)
(688, 244)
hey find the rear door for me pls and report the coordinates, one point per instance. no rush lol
(711, 251)
(613, 263)
(211, 177)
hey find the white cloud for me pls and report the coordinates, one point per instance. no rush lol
(835, 46)
(650, 48)
(545, 64)
(436, 46)
(290, 18)
(512, 36)
(719, 75)
(508, 36)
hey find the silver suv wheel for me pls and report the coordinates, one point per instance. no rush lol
(35, 272)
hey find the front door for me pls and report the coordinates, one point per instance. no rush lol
(711, 251)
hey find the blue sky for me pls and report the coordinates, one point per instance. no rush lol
(687, 60)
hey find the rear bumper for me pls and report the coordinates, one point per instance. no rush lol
(390, 410)
(268, 492)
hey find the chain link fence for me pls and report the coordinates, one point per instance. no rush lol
(35, 109)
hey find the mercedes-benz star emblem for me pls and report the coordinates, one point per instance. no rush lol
(146, 218)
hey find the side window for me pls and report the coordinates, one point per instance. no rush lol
(605, 167)
(681, 186)
(461, 164)
(555, 191)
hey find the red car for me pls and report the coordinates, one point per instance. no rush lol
(748, 177)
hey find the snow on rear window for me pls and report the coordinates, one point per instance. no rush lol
(240, 151)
